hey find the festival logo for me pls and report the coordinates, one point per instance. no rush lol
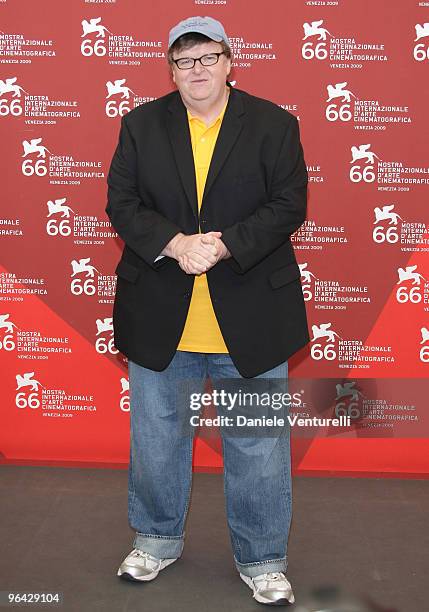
(343, 106)
(321, 44)
(388, 175)
(30, 343)
(36, 158)
(388, 410)
(328, 345)
(374, 407)
(59, 225)
(15, 101)
(414, 287)
(30, 396)
(52, 402)
(40, 161)
(386, 221)
(85, 272)
(87, 280)
(123, 49)
(324, 342)
(330, 294)
(363, 170)
(391, 228)
(62, 221)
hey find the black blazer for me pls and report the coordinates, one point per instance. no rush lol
(256, 194)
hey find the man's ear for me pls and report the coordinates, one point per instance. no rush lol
(172, 74)
(229, 68)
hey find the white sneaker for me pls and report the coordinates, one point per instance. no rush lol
(140, 565)
(272, 588)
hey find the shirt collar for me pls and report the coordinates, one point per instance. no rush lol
(218, 118)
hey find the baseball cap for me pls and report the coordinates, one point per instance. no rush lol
(203, 25)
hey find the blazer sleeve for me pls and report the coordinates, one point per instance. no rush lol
(252, 239)
(142, 229)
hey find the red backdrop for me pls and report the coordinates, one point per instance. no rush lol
(356, 76)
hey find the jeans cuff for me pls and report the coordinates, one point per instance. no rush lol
(261, 567)
(163, 547)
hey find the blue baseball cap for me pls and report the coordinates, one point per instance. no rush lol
(203, 25)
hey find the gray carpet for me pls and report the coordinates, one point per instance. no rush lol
(66, 530)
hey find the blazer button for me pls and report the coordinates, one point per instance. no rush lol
(187, 294)
(203, 221)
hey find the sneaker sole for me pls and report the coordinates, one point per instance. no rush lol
(130, 578)
(268, 602)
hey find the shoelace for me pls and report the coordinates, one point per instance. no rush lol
(274, 576)
(145, 555)
(269, 577)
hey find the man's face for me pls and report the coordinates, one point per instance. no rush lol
(201, 82)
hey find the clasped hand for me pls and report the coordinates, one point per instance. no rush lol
(199, 252)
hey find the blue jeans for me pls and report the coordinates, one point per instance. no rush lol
(257, 472)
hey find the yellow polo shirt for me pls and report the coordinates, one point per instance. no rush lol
(202, 332)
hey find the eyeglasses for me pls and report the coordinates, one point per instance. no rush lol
(186, 63)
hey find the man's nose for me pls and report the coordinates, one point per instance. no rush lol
(198, 67)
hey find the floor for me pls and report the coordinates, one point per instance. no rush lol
(65, 530)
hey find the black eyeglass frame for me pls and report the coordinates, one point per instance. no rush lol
(197, 59)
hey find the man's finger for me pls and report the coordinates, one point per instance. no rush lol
(200, 261)
(183, 264)
(204, 257)
(205, 248)
(208, 239)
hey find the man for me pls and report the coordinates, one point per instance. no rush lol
(206, 186)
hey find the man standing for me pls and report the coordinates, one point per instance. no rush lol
(206, 186)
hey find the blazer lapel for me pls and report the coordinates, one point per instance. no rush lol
(230, 129)
(180, 138)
